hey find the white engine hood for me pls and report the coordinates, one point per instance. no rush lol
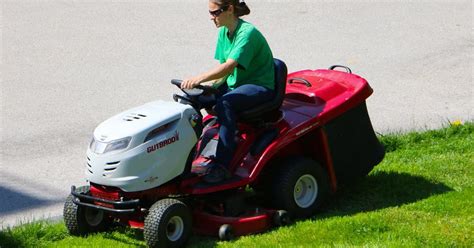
(139, 119)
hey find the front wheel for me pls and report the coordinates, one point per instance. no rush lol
(82, 220)
(168, 224)
(299, 186)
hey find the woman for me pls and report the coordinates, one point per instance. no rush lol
(246, 67)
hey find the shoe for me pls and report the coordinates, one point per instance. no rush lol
(216, 173)
(201, 165)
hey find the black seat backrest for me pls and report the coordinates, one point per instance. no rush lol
(261, 110)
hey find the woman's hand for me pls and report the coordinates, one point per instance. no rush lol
(191, 83)
(220, 71)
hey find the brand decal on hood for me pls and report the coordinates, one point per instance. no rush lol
(163, 143)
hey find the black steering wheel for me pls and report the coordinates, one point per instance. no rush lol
(193, 94)
(196, 91)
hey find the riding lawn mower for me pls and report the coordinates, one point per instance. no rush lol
(145, 166)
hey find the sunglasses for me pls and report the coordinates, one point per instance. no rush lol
(216, 13)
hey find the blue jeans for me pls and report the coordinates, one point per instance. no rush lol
(228, 105)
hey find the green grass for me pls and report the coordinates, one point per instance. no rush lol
(421, 195)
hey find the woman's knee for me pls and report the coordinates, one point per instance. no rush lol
(222, 106)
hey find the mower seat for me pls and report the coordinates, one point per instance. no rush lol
(260, 112)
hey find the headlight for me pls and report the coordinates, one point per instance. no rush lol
(115, 145)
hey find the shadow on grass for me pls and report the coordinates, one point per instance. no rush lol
(381, 190)
(377, 191)
(7, 240)
(31, 234)
(131, 236)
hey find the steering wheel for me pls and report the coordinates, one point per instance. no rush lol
(196, 91)
(193, 94)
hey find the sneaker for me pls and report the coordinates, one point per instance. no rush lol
(216, 173)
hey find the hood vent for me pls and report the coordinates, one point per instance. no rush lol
(109, 168)
(89, 166)
(134, 116)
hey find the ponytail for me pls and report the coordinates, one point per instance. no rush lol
(241, 9)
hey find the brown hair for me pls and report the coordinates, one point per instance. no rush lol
(240, 7)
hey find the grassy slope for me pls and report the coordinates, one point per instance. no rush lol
(422, 194)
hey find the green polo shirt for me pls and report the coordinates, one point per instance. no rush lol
(251, 51)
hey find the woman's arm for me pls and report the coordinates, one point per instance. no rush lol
(218, 72)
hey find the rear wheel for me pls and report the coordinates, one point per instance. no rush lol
(299, 186)
(81, 220)
(168, 224)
